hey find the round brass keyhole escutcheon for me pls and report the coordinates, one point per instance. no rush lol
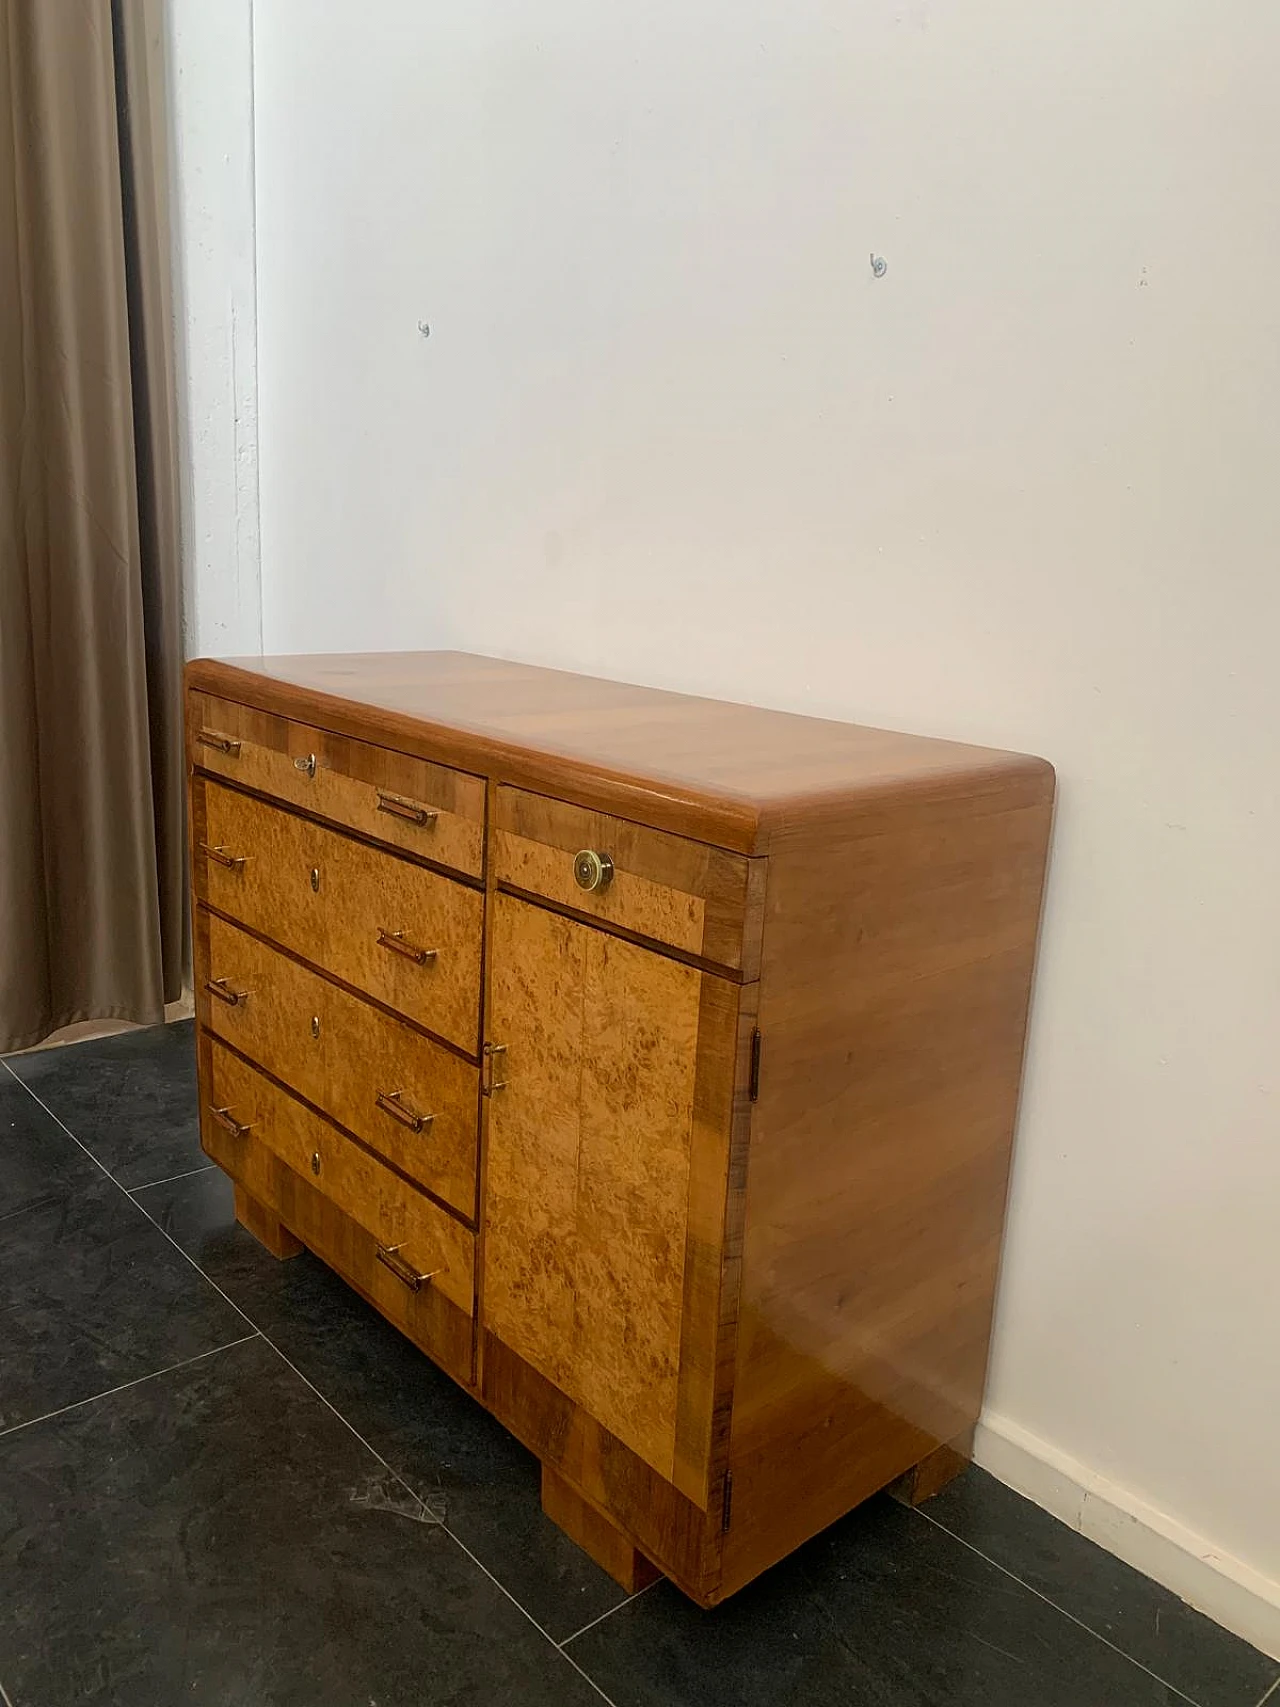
(591, 870)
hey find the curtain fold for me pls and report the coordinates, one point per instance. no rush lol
(92, 905)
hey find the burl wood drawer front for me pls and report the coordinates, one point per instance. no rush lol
(411, 1099)
(418, 1242)
(700, 899)
(608, 1148)
(408, 936)
(427, 809)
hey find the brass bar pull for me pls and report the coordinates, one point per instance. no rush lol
(224, 1117)
(222, 990)
(396, 941)
(219, 743)
(393, 1103)
(399, 806)
(488, 1084)
(389, 1256)
(233, 862)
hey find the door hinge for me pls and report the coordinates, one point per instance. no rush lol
(727, 1517)
(753, 1078)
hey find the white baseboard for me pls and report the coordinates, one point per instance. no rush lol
(1232, 1593)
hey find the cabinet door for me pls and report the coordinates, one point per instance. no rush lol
(608, 1162)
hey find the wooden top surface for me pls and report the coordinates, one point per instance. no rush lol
(706, 768)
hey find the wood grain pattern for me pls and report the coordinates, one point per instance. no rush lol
(352, 782)
(713, 1246)
(598, 1536)
(894, 992)
(616, 1107)
(342, 1054)
(427, 1317)
(399, 1218)
(336, 919)
(266, 1227)
(712, 1235)
(657, 1518)
(693, 897)
(725, 774)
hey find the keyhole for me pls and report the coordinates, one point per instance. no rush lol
(315, 878)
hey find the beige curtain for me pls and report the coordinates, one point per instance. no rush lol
(92, 905)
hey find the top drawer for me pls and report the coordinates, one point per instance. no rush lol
(409, 937)
(426, 809)
(703, 900)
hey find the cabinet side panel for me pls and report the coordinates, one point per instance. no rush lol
(898, 955)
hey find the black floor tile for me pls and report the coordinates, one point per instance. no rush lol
(215, 1536)
(883, 1610)
(129, 1099)
(1204, 1661)
(465, 1465)
(93, 1295)
(39, 1163)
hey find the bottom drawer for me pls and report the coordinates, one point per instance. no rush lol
(417, 1245)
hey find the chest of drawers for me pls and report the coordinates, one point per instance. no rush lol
(651, 1062)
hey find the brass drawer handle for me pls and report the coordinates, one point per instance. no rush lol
(592, 870)
(488, 1084)
(389, 1256)
(222, 990)
(307, 766)
(400, 806)
(233, 862)
(224, 1117)
(393, 1103)
(220, 743)
(396, 941)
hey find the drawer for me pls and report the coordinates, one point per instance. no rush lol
(407, 936)
(410, 1099)
(703, 900)
(419, 1243)
(426, 809)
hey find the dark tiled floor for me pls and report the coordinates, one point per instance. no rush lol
(462, 1463)
(130, 1099)
(225, 1480)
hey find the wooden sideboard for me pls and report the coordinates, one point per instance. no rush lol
(651, 1062)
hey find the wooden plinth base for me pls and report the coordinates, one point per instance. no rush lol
(594, 1533)
(266, 1228)
(932, 1474)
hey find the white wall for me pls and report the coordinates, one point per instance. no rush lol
(1020, 490)
(210, 55)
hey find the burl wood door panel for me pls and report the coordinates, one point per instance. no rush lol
(426, 809)
(408, 936)
(606, 1178)
(412, 1100)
